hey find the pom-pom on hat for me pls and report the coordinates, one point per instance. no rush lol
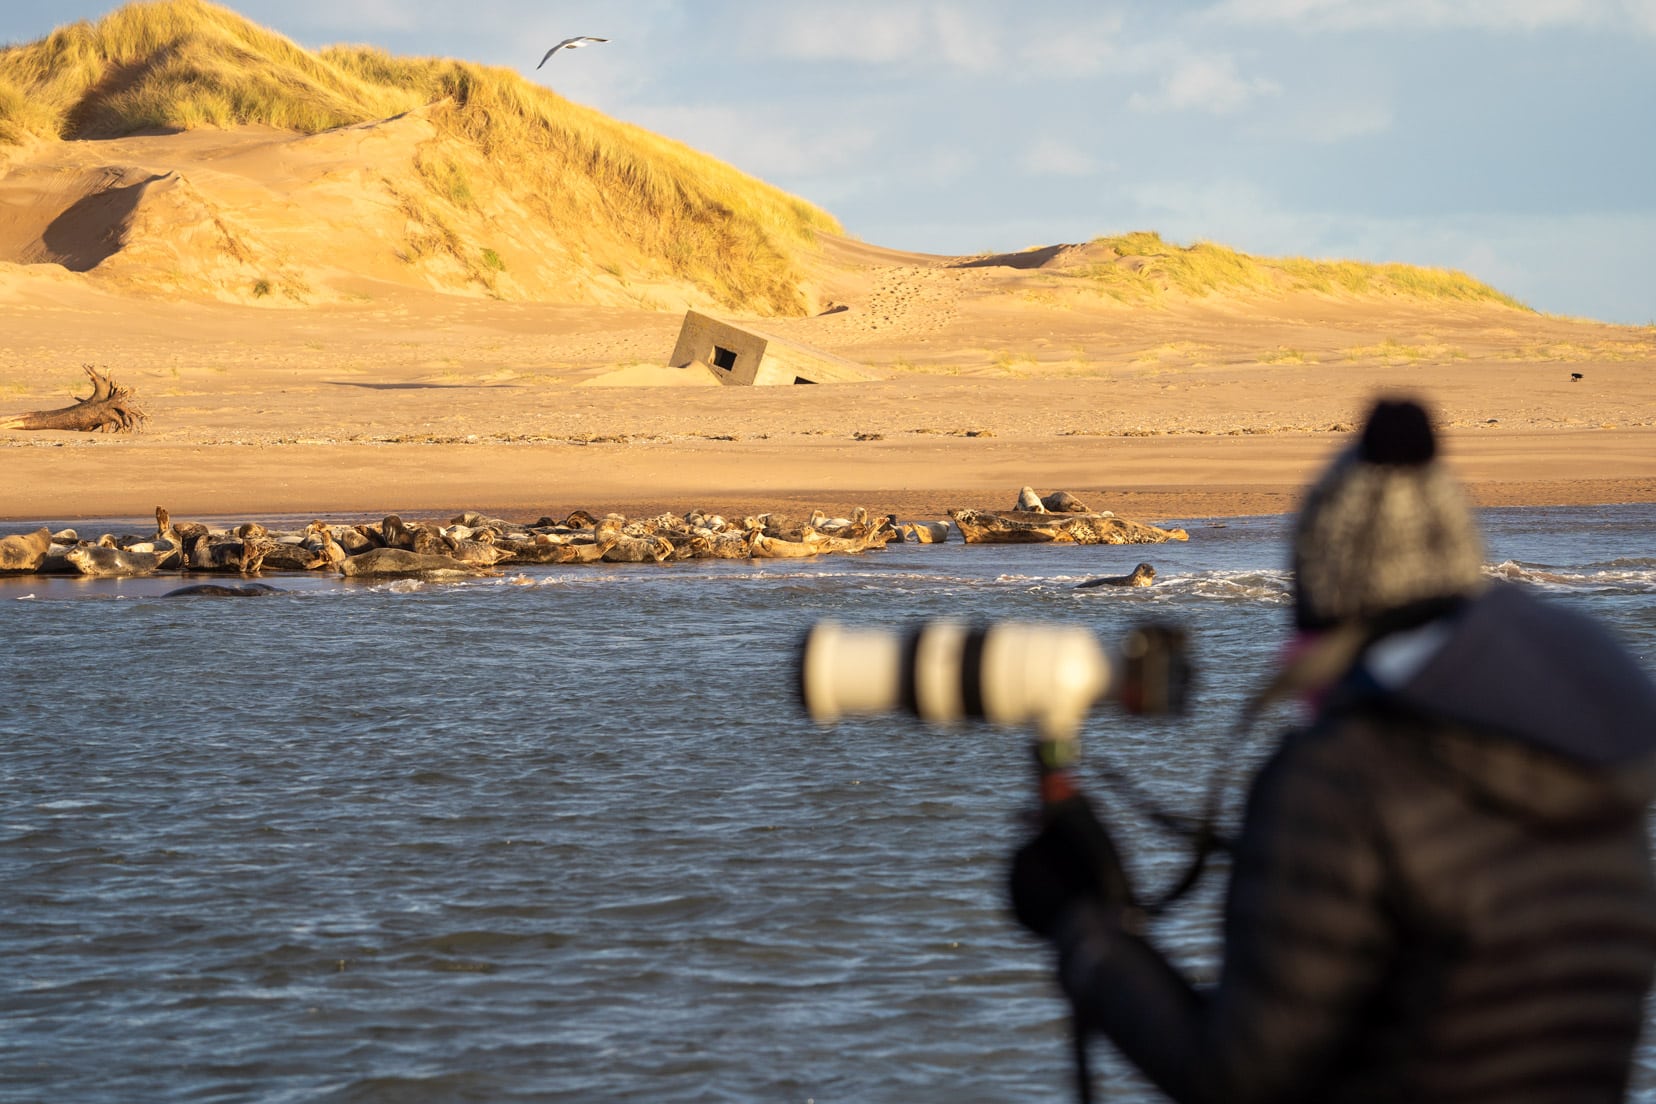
(1384, 527)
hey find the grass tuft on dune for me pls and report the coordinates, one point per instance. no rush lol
(1141, 267)
(617, 193)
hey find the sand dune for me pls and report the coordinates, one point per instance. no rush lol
(374, 317)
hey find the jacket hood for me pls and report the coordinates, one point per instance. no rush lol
(1552, 715)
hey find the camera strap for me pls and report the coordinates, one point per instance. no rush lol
(1323, 661)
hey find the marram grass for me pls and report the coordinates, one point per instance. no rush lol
(1145, 268)
(617, 195)
(612, 191)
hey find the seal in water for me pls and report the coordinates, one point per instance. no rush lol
(1143, 575)
(219, 590)
(93, 559)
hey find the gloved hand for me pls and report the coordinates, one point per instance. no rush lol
(1072, 859)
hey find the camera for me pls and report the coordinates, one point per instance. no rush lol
(1004, 672)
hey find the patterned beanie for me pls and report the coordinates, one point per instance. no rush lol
(1384, 527)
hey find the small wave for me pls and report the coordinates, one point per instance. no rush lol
(1231, 586)
(1634, 575)
(69, 804)
(1235, 585)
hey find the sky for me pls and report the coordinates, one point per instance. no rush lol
(1514, 140)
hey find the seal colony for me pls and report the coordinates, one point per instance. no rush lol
(471, 544)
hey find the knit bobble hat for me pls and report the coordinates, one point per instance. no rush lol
(1385, 526)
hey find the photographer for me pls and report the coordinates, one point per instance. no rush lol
(1442, 888)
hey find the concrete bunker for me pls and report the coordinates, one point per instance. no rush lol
(739, 356)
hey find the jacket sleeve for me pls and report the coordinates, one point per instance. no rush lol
(1306, 946)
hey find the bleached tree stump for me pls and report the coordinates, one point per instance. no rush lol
(110, 408)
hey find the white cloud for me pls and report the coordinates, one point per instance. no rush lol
(970, 38)
(771, 145)
(1328, 123)
(1048, 156)
(1642, 14)
(1232, 212)
(887, 33)
(1490, 15)
(1196, 83)
(353, 16)
(1082, 47)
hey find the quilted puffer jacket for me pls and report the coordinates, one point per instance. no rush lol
(1442, 890)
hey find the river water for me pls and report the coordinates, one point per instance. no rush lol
(564, 835)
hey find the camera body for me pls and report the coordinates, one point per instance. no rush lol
(1005, 672)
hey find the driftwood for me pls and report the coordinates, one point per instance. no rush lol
(110, 408)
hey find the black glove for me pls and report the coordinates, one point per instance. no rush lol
(1072, 859)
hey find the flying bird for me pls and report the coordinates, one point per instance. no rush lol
(573, 43)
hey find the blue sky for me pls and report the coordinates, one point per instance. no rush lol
(1512, 139)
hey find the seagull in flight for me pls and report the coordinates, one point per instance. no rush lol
(572, 43)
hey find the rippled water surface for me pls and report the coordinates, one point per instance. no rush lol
(564, 835)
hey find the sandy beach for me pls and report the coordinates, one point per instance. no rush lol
(428, 405)
(385, 385)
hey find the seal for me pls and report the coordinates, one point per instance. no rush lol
(181, 533)
(627, 549)
(244, 556)
(96, 560)
(394, 534)
(1058, 502)
(401, 561)
(25, 551)
(1143, 575)
(925, 532)
(356, 539)
(321, 541)
(219, 590)
(564, 552)
(482, 550)
(711, 545)
(284, 555)
(1029, 502)
(427, 541)
(762, 547)
(1062, 502)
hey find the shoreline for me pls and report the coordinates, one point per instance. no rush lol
(1151, 479)
(1156, 507)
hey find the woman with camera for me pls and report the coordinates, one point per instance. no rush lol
(1442, 887)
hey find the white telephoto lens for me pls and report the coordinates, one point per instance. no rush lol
(938, 653)
(1050, 675)
(847, 672)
